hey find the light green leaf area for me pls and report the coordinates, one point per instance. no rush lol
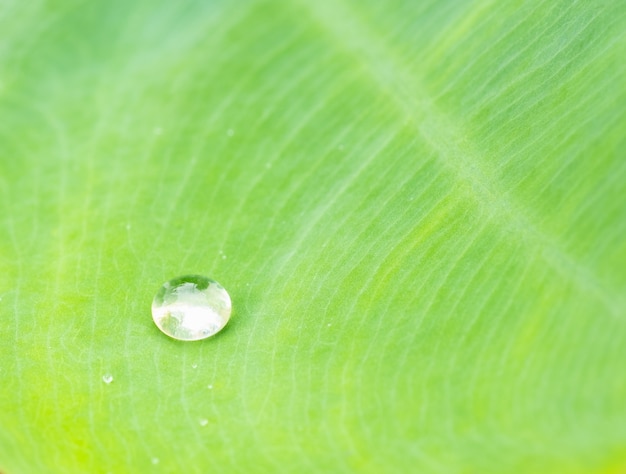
(418, 209)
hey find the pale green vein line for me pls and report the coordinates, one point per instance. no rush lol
(377, 348)
(449, 42)
(374, 275)
(95, 362)
(516, 153)
(527, 377)
(295, 185)
(285, 142)
(494, 292)
(174, 204)
(264, 62)
(538, 98)
(468, 280)
(364, 287)
(285, 199)
(63, 157)
(490, 95)
(455, 311)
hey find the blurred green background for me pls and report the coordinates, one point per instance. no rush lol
(418, 208)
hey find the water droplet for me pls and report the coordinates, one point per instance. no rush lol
(230, 132)
(107, 378)
(194, 366)
(210, 386)
(191, 307)
(204, 422)
(329, 325)
(223, 257)
(155, 460)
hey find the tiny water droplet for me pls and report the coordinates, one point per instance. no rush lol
(191, 307)
(204, 422)
(230, 132)
(194, 366)
(223, 257)
(329, 325)
(210, 386)
(107, 378)
(155, 460)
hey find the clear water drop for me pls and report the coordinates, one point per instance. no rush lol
(155, 460)
(107, 378)
(191, 307)
(210, 386)
(194, 366)
(204, 422)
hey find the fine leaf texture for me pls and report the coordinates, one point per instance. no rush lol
(418, 209)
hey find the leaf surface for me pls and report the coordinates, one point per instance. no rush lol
(418, 209)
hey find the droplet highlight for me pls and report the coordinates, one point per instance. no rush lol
(107, 378)
(191, 307)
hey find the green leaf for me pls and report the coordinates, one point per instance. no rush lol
(418, 209)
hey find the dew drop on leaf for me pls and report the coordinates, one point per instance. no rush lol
(107, 378)
(191, 307)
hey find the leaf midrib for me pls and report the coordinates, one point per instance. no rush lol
(446, 138)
